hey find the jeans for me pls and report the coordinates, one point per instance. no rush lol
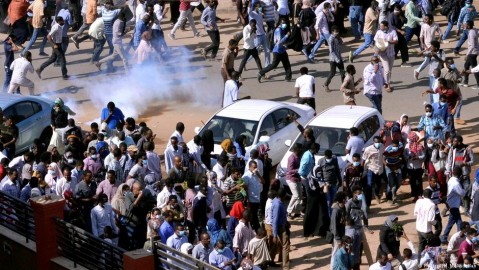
(158, 40)
(401, 46)
(471, 61)
(394, 181)
(33, 38)
(454, 217)
(322, 39)
(376, 100)
(373, 181)
(56, 54)
(279, 57)
(330, 197)
(450, 24)
(410, 32)
(424, 64)
(185, 15)
(247, 53)
(8, 78)
(332, 71)
(109, 40)
(262, 41)
(98, 45)
(215, 42)
(368, 40)
(458, 110)
(295, 201)
(354, 17)
(83, 27)
(461, 41)
(117, 51)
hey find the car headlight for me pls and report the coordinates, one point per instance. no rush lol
(280, 171)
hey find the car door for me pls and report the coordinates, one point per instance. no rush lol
(24, 115)
(371, 128)
(285, 130)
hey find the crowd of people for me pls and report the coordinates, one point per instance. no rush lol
(232, 214)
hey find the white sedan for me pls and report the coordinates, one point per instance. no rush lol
(258, 120)
(331, 130)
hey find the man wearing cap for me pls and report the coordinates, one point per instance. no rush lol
(112, 115)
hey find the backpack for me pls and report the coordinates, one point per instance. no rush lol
(447, 7)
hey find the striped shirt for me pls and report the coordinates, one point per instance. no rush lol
(12, 189)
(268, 10)
(108, 17)
(466, 15)
(335, 49)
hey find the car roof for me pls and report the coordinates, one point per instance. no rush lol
(342, 116)
(250, 109)
(9, 99)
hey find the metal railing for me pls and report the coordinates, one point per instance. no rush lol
(169, 258)
(17, 216)
(85, 249)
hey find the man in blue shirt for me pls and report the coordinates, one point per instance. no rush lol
(281, 226)
(222, 257)
(307, 161)
(281, 35)
(112, 115)
(166, 228)
(254, 182)
(455, 192)
(343, 259)
(177, 239)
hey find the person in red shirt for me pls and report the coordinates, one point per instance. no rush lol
(467, 247)
(3, 166)
(185, 14)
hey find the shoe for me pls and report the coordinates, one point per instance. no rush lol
(259, 77)
(389, 89)
(75, 42)
(290, 216)
(475, 87)
(198, 34)
(203, 53)
(351, 57)
(98, 65)
(43, 54)
(39, 73)
(465, 85)
(378, 200)
(415, 199)
(405, 64)
(460, 121)
(326, 88)
(241, 79)
(266, 77)
(56, 65)
(287, 79)
(444, 41)
(456, 53)
(172, 36)
(66, 77)
(416, 75)
(311, 60)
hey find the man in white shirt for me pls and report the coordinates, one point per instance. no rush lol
(231, 90)
(220, 169)
(66, 183)
(172, 150)
(455, 242)
(55, 37)
(373, 79)
(410, 261)
(20, 67)
(455, 192)
(355, 144)
(178, 133)
(249, 46)
(382, 263)
(305, 88)
(425, 212)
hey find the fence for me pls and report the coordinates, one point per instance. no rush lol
(17, 216)
(85, 249)
(165, 260)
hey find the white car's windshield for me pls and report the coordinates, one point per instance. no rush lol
(329, 138)
(225, 127)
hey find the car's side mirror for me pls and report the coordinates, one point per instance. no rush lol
(287, 143)
(197, 130)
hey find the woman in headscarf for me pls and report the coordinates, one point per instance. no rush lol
(53, 175)
(263, 149)
(208, 147)
(119, 207)
(435, 162)
(17, 12)
(236, 214)
(389, 237)
(316, 218)
(186, 248)
(415, 154)
(404, 126)
(217, 210)
(217, 233)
